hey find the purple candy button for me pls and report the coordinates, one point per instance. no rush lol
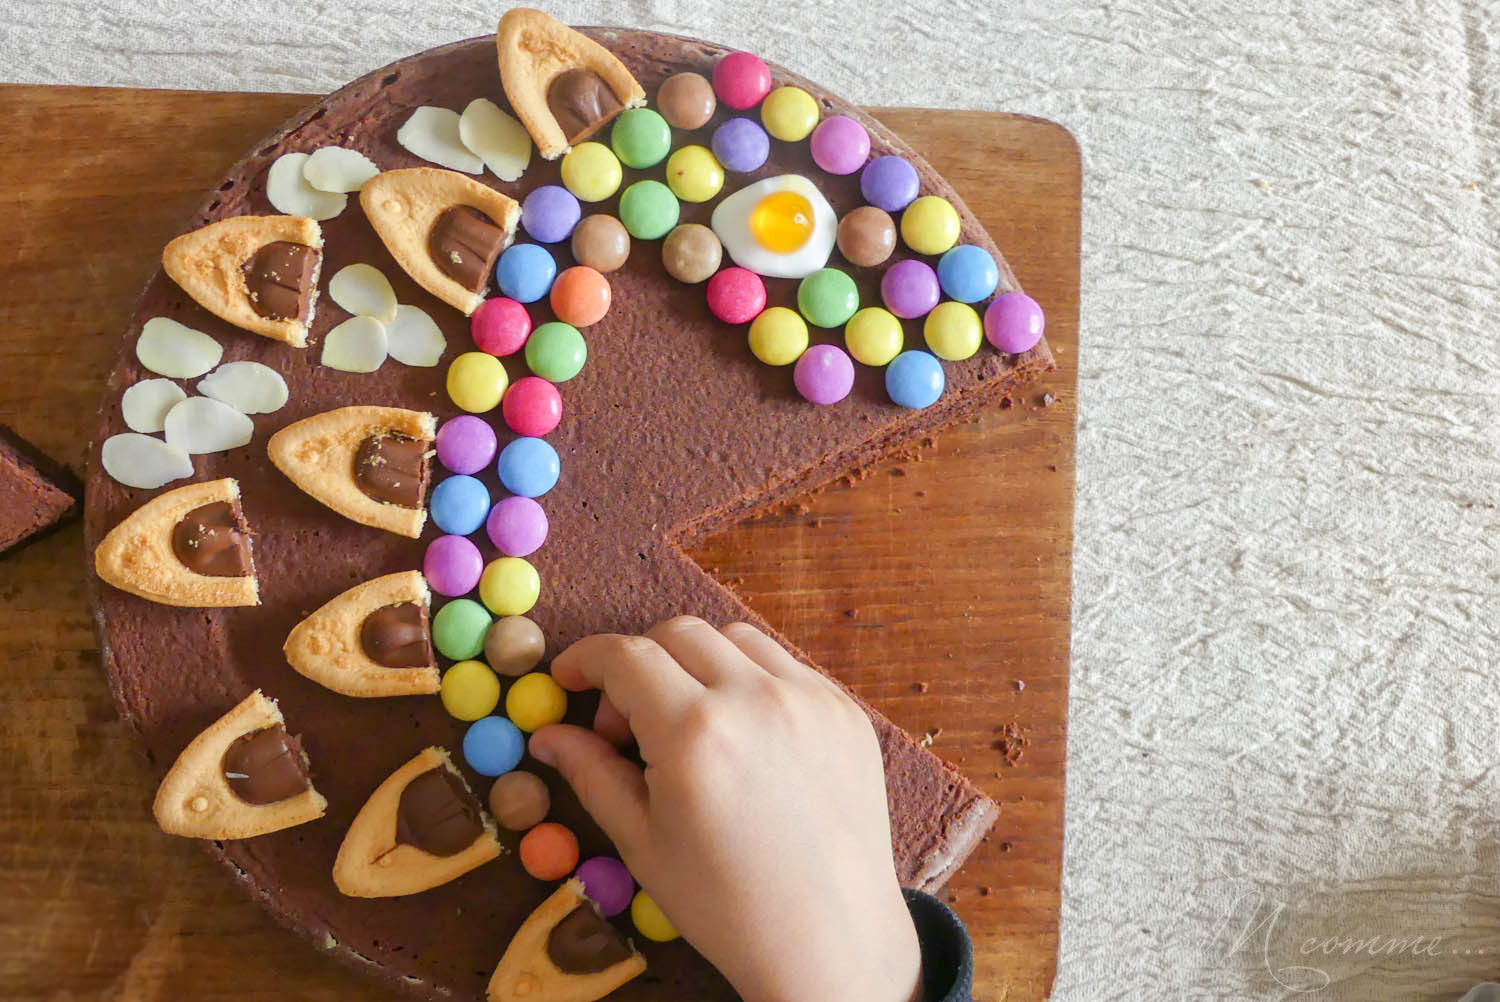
(607, 884)
(466, 444)
(840, 145)
(824, 374)
(741, 145)
(549, 213)
(910, 288)
(517, 526)
(889, 183)
(452, 565)
(1014, 322)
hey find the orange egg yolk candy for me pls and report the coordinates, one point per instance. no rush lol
(782, 222)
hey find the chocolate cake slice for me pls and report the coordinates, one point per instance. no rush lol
(37, 495)
(671, 431)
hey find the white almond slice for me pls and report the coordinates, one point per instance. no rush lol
(248, 387)
(289, 191)
(137, 460)
(356, 345)
(363, 291)
(145, 405)
(337, 169)
(171, 349)
(432, 134)
(414, 338)
(202, 424)
(496, 138)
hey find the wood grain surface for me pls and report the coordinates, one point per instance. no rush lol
(942, 580)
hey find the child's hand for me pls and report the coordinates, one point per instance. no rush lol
(759, 824)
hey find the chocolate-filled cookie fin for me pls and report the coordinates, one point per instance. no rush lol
(563, 86)
(422, 827)
(243, 776)
(259, 273)
(187, 547)
(564, 952)
(372, 640)
(331, 458)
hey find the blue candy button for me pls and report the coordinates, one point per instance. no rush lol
(460, 505)
(914, 379)
(493, 746)
(967, 273)
(525, 272)
(529, 467)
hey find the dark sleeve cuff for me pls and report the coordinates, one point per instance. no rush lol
(947, 952)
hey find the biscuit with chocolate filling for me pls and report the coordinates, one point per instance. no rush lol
(243, 776)
(188, 547)
(449, 253)
(422, 827)
(563, 86)
(257, 272)
(369, 464)
(372, 640)
(565, 951)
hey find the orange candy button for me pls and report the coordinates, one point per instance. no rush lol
(580, 296)
(549, 851)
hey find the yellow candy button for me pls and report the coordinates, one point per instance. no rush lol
(953, 331)
(477, 381)
(470, 690)
(509, 586)
(778, 336)
(534, 701)
(694, 174)
(789, 114)
(591, 171)
(930, 225)
(874, 336)
(649, 921)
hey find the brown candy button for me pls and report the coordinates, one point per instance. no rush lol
(265, 766)
(464, 244)
(584, 943)
(396, 636)
(392, 468)
(514, 645)
(867, 236)
(686, 101)
(601, 243)
(211, 540)
(691, 253)
(519, 801)
(278, 278)
(581, 101)
(438, 814)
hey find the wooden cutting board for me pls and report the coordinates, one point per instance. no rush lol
(941, 584)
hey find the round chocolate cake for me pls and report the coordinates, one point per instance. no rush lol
(671, 430)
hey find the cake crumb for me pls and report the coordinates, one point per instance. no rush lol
(1052, 467)
(898, 471)
(1006, 403)
(1006, 846)
(1011, 743)
(1020, 685)
(1047, 400)
(851, 613)
(928, 737)
(919, 687)
(984, 890)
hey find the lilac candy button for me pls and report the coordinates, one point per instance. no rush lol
(910, 288)
(840, 145)
(517, 526)
(741, 145)
(452, 565)
(466, 444)
(549, 213)
(1014, 322)
(824, 374)
(607, 884)
(889, 183)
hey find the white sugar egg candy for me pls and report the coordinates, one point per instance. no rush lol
(781, 227)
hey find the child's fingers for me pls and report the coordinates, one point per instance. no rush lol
(640, 678)
(611, 724)
(767, 653)
(611, 788)
(702, 650)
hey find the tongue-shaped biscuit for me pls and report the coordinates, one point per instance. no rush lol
(565, 951)
(372, 640)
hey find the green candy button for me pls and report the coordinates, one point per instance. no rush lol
(458, 629)
(649, 210)
(556, 351)
(827, 298)
(641, 138)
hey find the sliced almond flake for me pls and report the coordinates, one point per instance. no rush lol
(144, 405)
(202, 424)
(356, 345)
(338, 169)
(414, 338)
(289, 192)
(496, 138)
(137, 460)
(432, 134)
(248, 387)
(171, 349)
(362, 290)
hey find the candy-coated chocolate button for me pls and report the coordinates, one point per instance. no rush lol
(649, 210)
(493, 746)
(953, 331)
(600, 242)
(648, 917)
(741, 79)
(789, 114)
(910, 288)
(914, 379)
(470, 690)
(607, 883)
(519, 800)
(641, 138)
(549, 213)
(874, 336)
(591, 172)
(556, 351)
(694, 174)
(930, 225)
(517, 526)
(500, 325)
(528, 467)
(476, 382)
(867, 236)
(736, 295)
(687, 101)
(525, 272)
(534, 701)
(827, 298)
(889, 183)
(741, 145)
(466, 444)
(580, 296)
(549, 851)
(1014, 322)
(824, 374)
(840, 145)
(514, 645)
(509, 586)
(459, 628)
(532, 406)
(459, 505)
(778, 336)
(452, 566)
(691, 253)
(968, 273)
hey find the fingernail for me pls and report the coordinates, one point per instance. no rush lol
(541, 751)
